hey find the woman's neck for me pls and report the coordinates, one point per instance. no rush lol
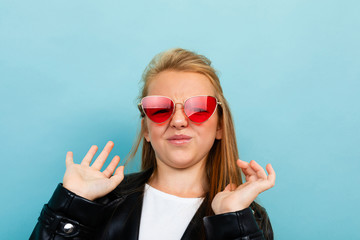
(187, 183)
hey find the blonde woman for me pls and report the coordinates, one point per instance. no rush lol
(190, 185)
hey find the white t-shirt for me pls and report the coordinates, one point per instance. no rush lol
(165, 216)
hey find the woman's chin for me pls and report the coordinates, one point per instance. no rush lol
(182, 163)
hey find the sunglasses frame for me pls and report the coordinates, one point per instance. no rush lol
(143, 113)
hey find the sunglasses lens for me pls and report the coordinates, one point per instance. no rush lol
(200, 108)
(158, 109)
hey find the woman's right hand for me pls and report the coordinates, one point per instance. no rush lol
(88, 181)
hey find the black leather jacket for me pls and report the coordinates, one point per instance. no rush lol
(117, 216)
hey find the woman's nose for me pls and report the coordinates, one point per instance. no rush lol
(179, 119)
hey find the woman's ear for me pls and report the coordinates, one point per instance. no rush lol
(145, 130)
(218, 135)
(219, 131)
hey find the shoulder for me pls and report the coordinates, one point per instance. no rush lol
(133, 182)
(262, 219)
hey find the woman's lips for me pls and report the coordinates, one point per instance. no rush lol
(179, 139)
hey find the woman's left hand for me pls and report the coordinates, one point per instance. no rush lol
(235, 198)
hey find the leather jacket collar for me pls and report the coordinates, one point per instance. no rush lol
(127, 211)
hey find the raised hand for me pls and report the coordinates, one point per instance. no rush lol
(88, 181)
(235, 198)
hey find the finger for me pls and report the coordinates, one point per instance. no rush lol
(69, 159)
(89, 155)
(116, 179)
(119, 170)
(245, 167)
(100, 160)
(112, 166)
(258, 169)
(272, 175)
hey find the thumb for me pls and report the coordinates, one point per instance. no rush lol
(230, 187)
(117, 177)
(69, 159)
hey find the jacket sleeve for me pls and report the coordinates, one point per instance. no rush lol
(67, 215)
(240, 225)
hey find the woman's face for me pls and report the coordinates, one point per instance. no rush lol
(196, 140)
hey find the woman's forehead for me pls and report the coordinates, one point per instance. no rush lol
(180, 85)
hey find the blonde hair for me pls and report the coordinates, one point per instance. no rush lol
(221, 165)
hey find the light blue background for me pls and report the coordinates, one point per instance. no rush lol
(69, 73)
